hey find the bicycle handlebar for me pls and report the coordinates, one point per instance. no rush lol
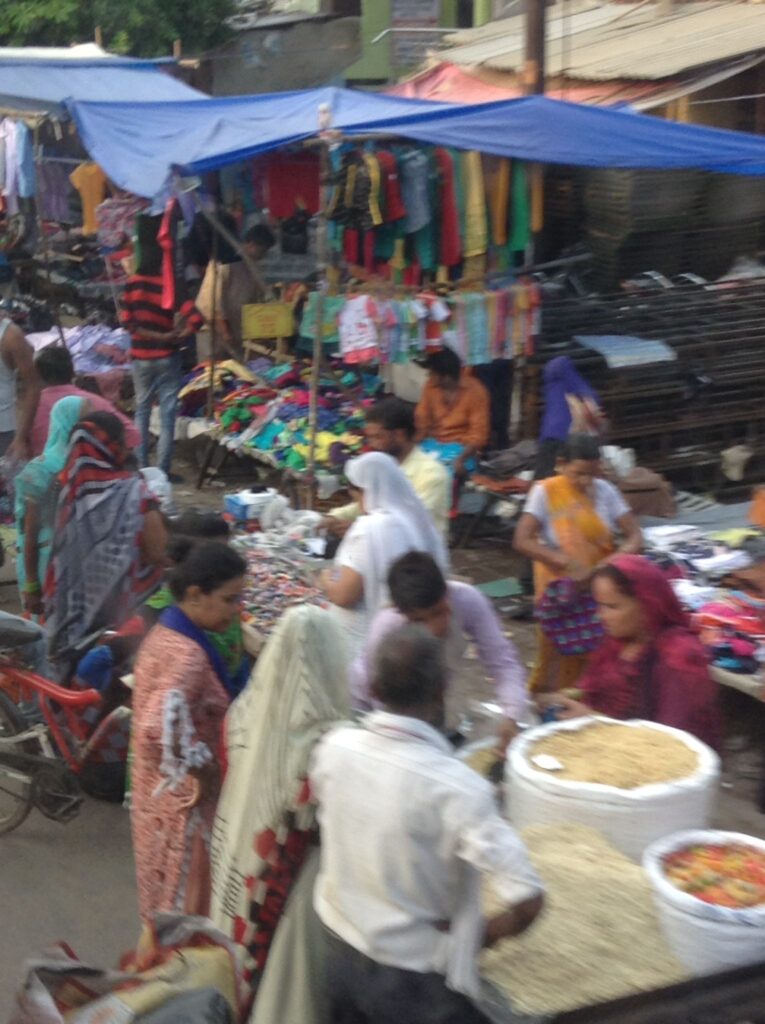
(62, 696)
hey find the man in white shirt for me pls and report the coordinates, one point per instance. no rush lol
(407, 832)
(390, 429)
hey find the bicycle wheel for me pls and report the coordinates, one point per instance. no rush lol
(15, 794)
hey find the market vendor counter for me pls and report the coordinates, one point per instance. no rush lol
(751, 685)
(732, 996)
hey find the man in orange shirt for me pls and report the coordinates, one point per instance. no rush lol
(454, 410)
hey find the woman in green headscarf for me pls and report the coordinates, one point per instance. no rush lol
(36, 489)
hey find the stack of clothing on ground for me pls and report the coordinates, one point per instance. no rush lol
(720, 579)
(98, 350)
(262, 410)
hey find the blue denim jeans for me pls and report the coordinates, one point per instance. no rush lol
(160, 380)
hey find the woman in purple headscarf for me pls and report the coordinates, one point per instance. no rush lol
(571, 406)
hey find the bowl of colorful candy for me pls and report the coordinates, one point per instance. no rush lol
(710, 891)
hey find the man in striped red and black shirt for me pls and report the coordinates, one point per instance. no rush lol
(157, 335)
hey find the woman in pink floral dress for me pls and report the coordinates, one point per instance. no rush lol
(179, 704)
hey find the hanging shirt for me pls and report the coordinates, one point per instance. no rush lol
(476, 233)
(520, 218)
(391, 186)
(414, 169)
(358, 328)
(292, 182)
(53, 192)
(116, 219)
(26, 158)
(450, 247)
(497, 174)
(90, 182)
(8, 133)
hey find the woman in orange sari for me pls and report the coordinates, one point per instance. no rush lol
(569, 528)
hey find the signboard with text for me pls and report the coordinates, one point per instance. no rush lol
(408, 49)
(424, 13)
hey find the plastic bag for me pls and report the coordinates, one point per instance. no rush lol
(188, 955)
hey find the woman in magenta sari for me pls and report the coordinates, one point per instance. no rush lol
(650, 665)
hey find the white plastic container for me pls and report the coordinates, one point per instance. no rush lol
(631, 819)
(705, 938)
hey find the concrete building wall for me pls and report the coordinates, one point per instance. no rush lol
(300, 55)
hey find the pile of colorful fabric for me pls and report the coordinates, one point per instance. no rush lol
(227, 377)
(719, 580)
(276, 426)
(266, 413)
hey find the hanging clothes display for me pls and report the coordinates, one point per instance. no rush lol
(476, 240)
(291, 182)
(53, 192)
(359, 329)
(90, 182)
(9, 145)
(520, 217)
(26, 160)
(115, 219)
(497, 175)
(480, 326)
(450, 249)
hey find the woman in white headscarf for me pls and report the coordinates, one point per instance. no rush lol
(393, 522)
(264, 846)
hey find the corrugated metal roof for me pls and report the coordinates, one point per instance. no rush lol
(449, 84)
(619, 40)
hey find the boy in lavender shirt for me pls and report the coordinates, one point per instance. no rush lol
(456, 613)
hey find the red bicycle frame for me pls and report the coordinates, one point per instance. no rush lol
(70, 702)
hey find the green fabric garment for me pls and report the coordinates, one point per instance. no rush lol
(333, 305)
(229, 645)
(520, 208)
(36, 484)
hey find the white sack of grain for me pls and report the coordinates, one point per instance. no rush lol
(598, 937)
(630, 818)
(704, 937)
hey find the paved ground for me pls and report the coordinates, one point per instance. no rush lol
(66, 882)
(75, 882)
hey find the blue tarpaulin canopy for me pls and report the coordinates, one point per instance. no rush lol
(39, 81)
(140, 145)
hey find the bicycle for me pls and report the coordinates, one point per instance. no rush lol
(41, 764)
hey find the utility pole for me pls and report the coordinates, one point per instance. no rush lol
(534, 68)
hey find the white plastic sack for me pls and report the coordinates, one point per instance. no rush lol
(160, 487)
(705, 938)
(631, 819)
(621, 460)
(192, 956)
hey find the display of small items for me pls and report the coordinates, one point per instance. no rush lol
(274, 584)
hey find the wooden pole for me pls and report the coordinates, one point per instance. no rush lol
(41, 231)
(213, 330)
(318, 336)
(534, 70)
